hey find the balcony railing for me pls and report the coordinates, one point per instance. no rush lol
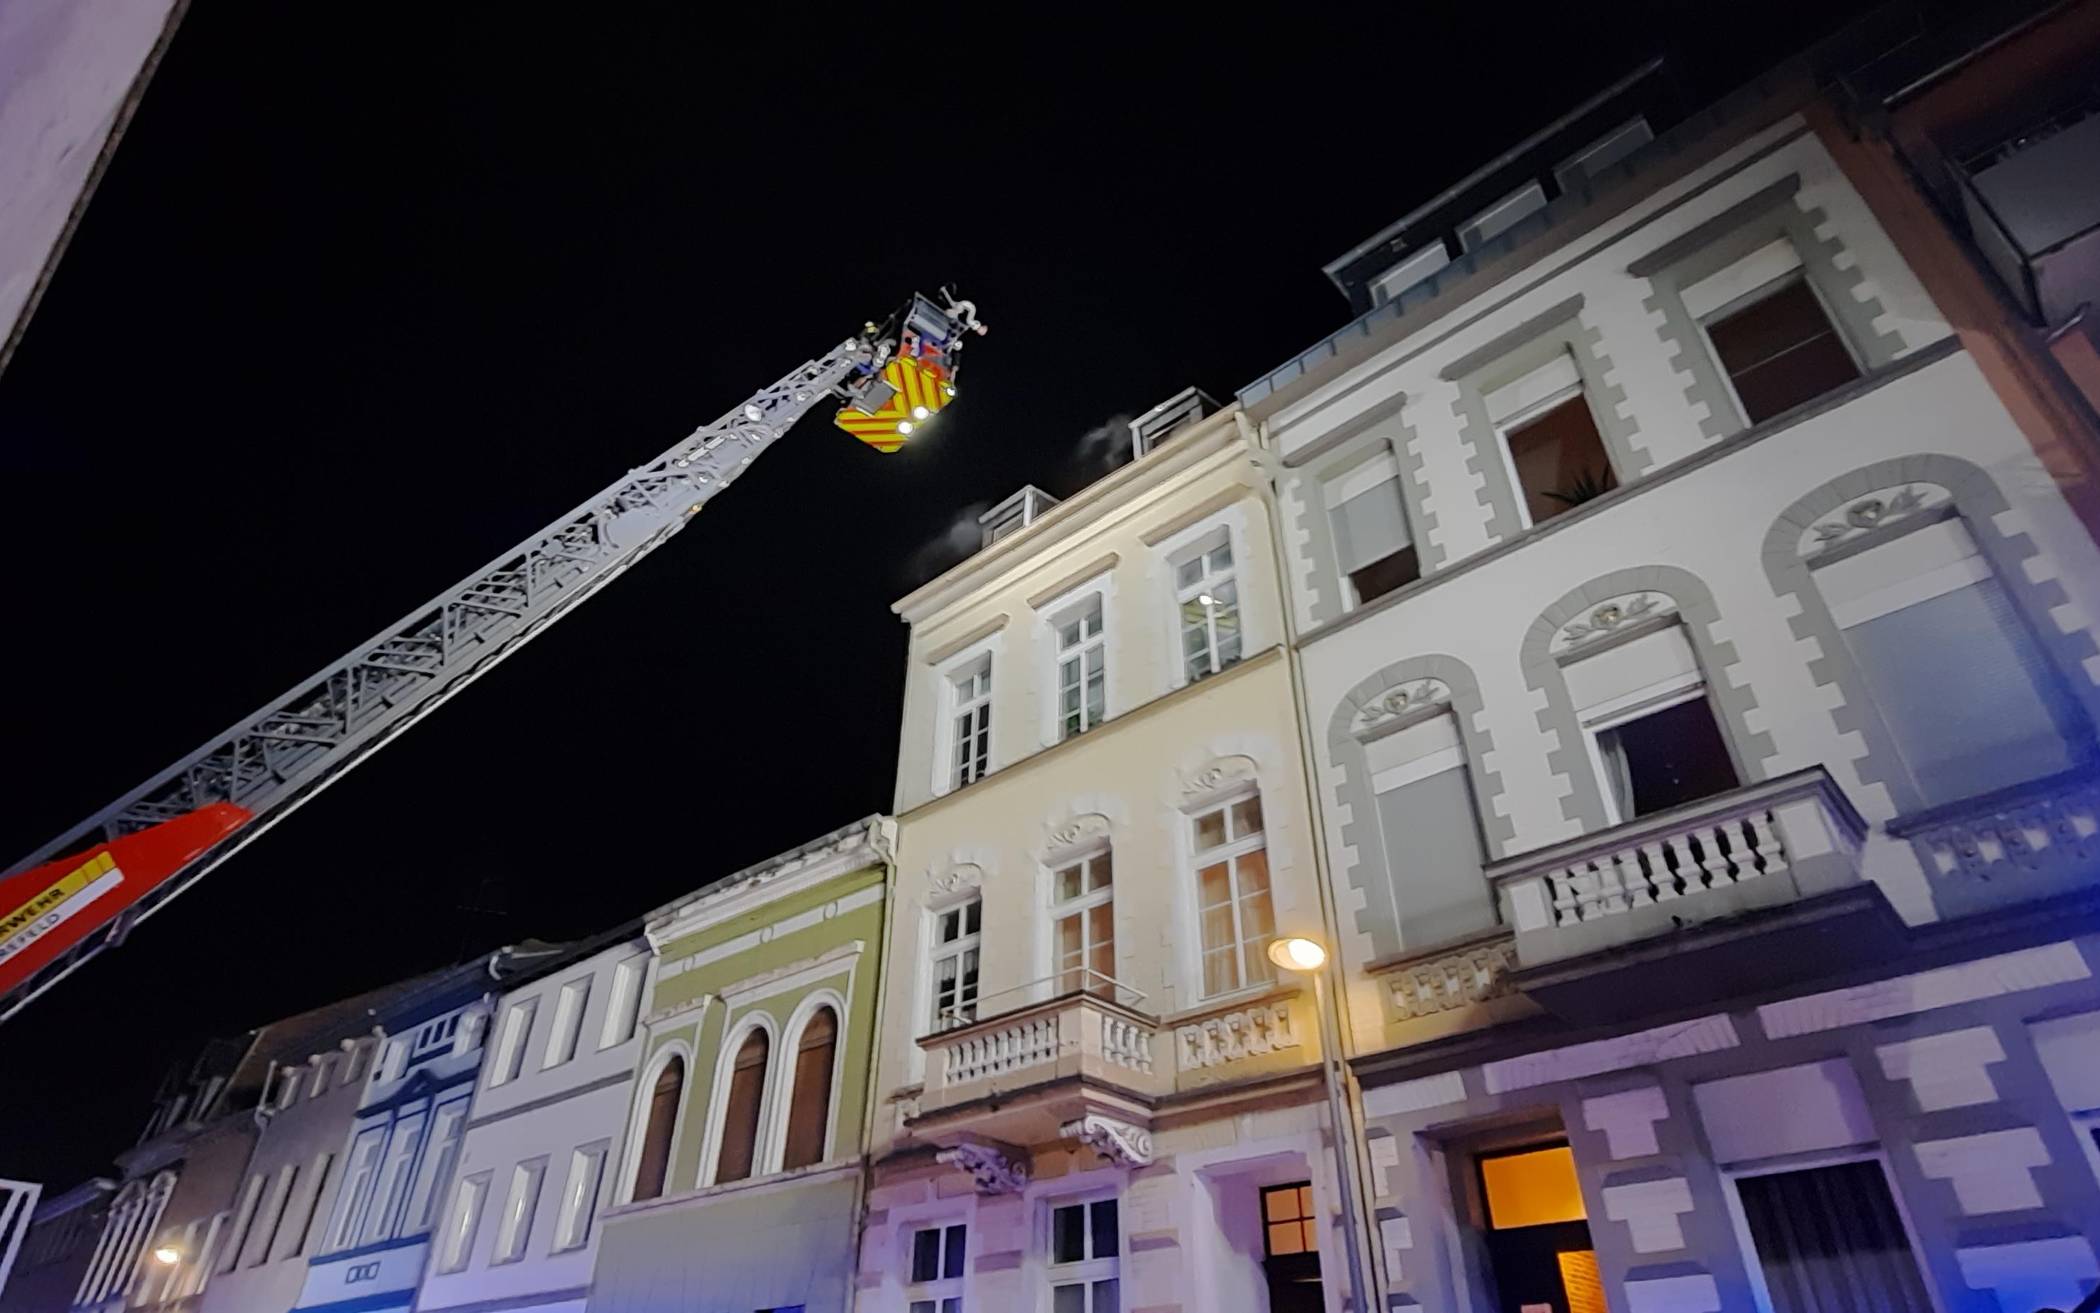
(2033, 204)
(1088, 1033)
(1755, 847)
(2020, 843)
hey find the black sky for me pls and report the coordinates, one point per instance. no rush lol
(368, 295)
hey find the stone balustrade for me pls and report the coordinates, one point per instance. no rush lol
(2028, 841)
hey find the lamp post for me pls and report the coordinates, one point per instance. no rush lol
(1307, 957)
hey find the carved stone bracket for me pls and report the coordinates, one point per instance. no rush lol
(1118, 1142)
(994, 1168)
(1443, 983)
(1215, 1041)
(1403, 700)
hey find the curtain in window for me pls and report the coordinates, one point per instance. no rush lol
(1830, 1241)
(1618, 776)
(740, 1114)
(810, 1106)
(655, 1162)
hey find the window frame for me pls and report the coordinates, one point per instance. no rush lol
(967, 941)
(1196, 859)
(733, 1042)
(638, 1120)
(1338, 487)
(623, 1006)
(775, 1157)
(432, 1171)
(572, 1000)
(936, 1291)
(1739, 1217)
(1093, 1268)
(352, 1197)
(528, 1181)
(514, 1038)
(1537, 410)
(447, 1258)
(981, 661)
(1076, 607)
(1747, 300)
(1202, 542)
(1056, 911)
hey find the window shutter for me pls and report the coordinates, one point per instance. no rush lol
(1371, 525)
(1624, 676)
(810, 1107)
(1548, 381)
(655, 1162)
(740, 1114)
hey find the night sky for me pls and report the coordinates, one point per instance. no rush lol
(365, 298)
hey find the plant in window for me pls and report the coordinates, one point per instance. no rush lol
(1587, 485)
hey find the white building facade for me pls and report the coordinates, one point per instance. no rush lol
(1700, 676)
(543, 1135)
(1095, 1090)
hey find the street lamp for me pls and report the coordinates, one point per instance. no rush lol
(1308, 957)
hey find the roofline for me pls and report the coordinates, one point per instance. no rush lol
(869, 829)
(1333, 267)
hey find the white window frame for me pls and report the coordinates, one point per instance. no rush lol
(1201, 542)
(463, 1222)
(352, 1201)
(582, 1195)
(1086, 1271)
(1085, 901)
(1654, 702)
(1196, 859)
(324, 1165)
(970, 665)
(966, 941)
(782, 1078)
(565, 1036)
(243, 1220)
(521, 1208)
(1746, 1244)
(1381, 466)
(1518, 419)
(623, 1008)
(1737, 300)
(763, 1152)
(940, 1289)
(516, 1037)
(1076, 608)
(434, 1164)
(396, 1164)
(638, 1117)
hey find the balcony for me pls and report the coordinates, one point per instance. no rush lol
(2033, 204)
(1727, 896)
(2019, 844)
(1090, 1066)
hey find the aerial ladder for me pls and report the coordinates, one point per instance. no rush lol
(87, 888)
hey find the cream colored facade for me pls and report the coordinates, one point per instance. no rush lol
(1178, 1095)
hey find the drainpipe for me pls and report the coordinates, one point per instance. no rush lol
(1344, 1102)
(882, 837)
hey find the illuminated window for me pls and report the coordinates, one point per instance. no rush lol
(1083, 930)
(1207, 592)
(1288, 1223)
(1532, 1188)
(1232, 896)
(955, 940)
(1536, 1229)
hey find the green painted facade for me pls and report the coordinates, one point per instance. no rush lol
(821, 939)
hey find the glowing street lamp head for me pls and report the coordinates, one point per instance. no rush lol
(167, 1255)
(1297, 954)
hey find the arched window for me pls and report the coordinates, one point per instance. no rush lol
(747, 1082)
(809, 1106)
(654, 1163)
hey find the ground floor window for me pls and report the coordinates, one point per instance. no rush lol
(937, 1268)
(1086, 1246)
(1291, 1249)
(1537, 1231)
(1823, 1235)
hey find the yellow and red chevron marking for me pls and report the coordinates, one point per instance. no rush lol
(918, 383)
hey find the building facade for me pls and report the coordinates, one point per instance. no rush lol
(740, 1187)
(544, 1133)
(1096, 1090)
(50, 1255)
(1699, 674)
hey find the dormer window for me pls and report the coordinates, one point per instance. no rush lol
(1014, 514)
(1167, 418)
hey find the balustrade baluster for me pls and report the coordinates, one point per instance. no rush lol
(1686, 866)
(1764, 843)
(1658, 877)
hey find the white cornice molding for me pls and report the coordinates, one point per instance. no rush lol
(1213, 441)
(968, 639)
(866, 846)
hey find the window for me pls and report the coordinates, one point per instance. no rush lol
(971, 691)
(568, 1021)
(1824, 1234)
(457, 1243)
(1232, 896)
(1536, 1228)
(436, 1168)
(1371, 538)
(1923, 614)
(1556, 455)
(1083, 925)
(1209, 597)
(1290, 1245)
(809, 1105)
(357, 1186)
(1428, 821)
(1085, 1248)
(624, 1011)
(514, 1232)
(302, 1241)
(1769, 331)
(579, 1198)
(384, 1216)
(1656, 743)
(1082, 685)
(741, 1110)
(937, 1268)
(262, 1237)
(653, 1163)
(955, 932)
(243, 1217)
(517, 1029)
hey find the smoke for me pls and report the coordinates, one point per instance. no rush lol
(960, 538)
(1102, 448)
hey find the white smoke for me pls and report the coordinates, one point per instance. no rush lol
(952, 544)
